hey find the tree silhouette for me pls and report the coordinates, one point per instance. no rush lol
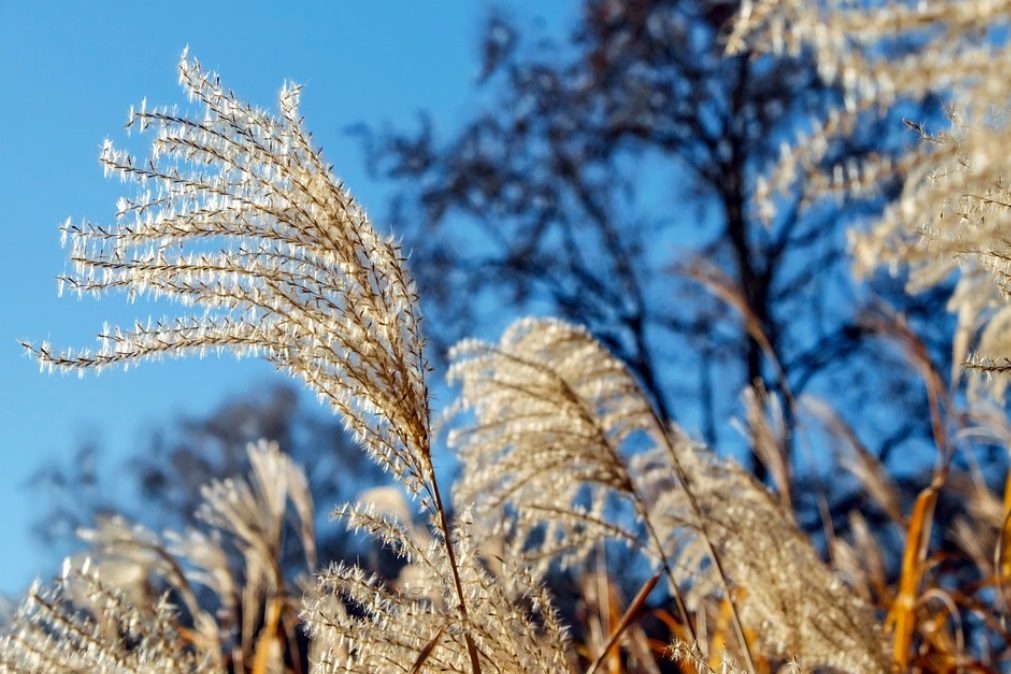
(610, 178)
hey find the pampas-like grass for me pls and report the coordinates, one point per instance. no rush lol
(239, 220)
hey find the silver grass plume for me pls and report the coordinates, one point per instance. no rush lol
(238, 218)
(81, 624)
(253, 513)
(796, 606)
(134, 577)
(553, 436)
(552, 412)
(360, 623)
(147, 573)
(954, 208)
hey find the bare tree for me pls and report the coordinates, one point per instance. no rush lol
(159, 483)
(611, 174)
(565, 454)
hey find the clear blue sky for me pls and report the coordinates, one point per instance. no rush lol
(69, 71)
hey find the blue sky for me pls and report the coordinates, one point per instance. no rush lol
(69, 72)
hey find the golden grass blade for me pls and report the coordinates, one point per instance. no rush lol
(950, 644)
(475, 660)
(427, 651)
(268, 635)
(626, 619)
(609, 606)
(902, 615)
(1002, 564)
(718, 643)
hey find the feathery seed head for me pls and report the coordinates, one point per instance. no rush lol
(238, 219)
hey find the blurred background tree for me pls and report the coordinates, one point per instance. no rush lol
(610, 179)
(613, 178)
(160, 485)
